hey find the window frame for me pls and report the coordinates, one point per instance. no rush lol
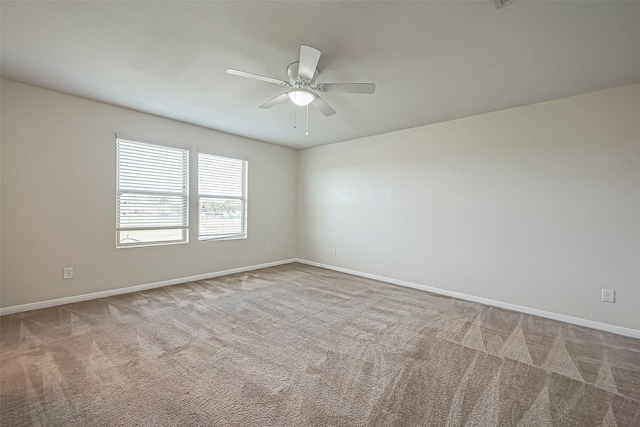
(184, 195)
(243, 198)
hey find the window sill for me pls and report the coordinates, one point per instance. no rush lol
(147, 245)
(215, 239)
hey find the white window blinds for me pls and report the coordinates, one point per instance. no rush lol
(152, 203)
(222, 195)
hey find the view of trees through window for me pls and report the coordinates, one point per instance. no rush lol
(217, 215)
(222, 197)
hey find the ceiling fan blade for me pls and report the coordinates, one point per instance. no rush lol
(309, 58)
(257, 77)
(277, 100)
(347, 87)
(322, 105)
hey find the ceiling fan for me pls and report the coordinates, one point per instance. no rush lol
(302, 86)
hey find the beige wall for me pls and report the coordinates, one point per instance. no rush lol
(537, 206)
(58, 199)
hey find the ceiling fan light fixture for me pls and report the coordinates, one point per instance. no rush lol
(301, 97)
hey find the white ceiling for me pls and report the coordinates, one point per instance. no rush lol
(431, 61)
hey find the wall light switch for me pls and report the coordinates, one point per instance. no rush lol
(67, 273)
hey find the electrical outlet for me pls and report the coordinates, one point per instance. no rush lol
(333, 251)
(608, 295)
(267, 249)
(67, 273)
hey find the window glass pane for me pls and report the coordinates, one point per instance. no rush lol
(144, 237)
(220, 217)
(144, 210)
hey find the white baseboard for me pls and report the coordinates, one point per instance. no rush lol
(135, 288)
(528, 310)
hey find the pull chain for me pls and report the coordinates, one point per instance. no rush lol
(295, 117)
(307, 132)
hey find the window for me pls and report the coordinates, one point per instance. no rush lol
(222, 193)
(152, 203)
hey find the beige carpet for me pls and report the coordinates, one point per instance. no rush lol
(301, 346)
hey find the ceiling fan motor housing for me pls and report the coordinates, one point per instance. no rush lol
(297, 81)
